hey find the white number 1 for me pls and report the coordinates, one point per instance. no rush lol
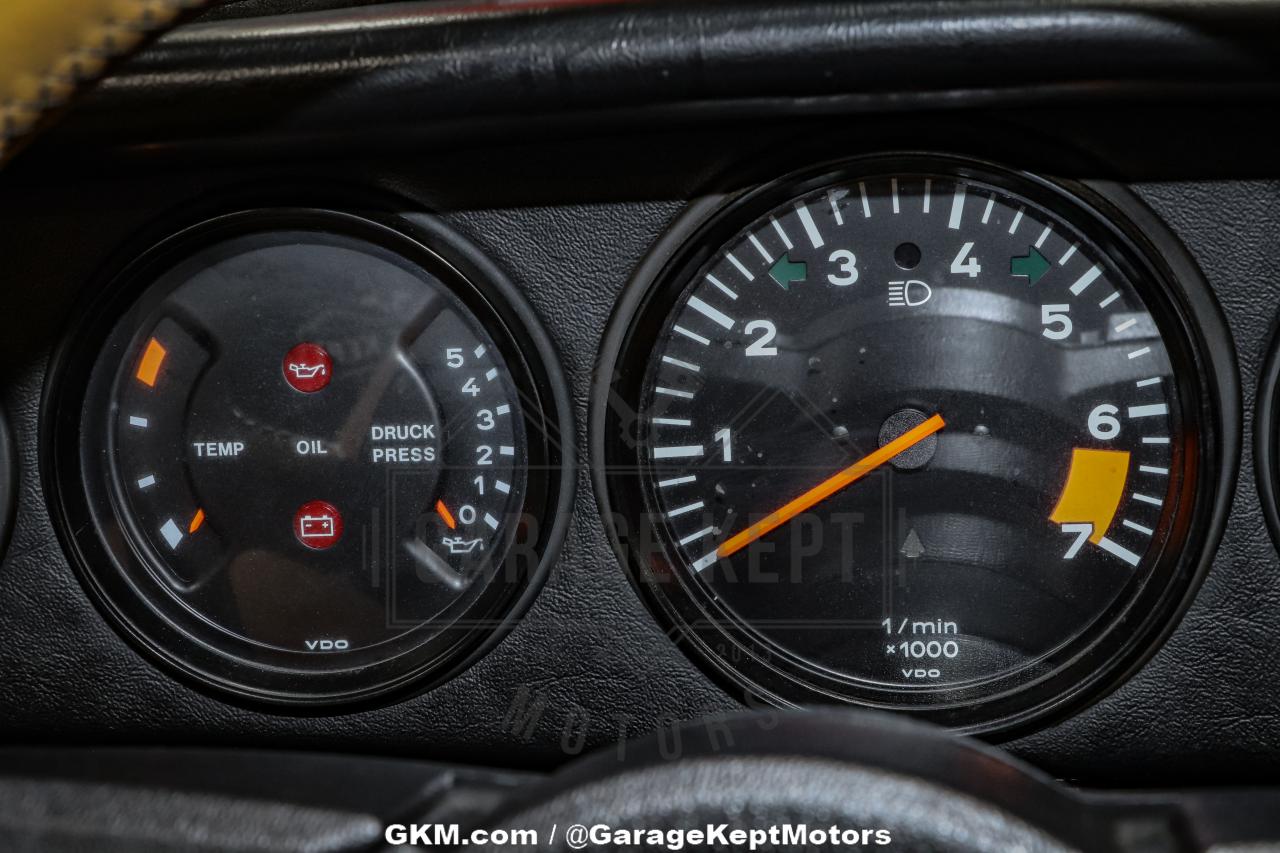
(722, 436)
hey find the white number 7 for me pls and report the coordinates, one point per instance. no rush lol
(1082, 532)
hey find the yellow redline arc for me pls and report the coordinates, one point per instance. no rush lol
(1095, 484)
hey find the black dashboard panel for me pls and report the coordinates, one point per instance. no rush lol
(565, 171)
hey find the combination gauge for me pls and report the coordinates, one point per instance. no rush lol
(317, 454)
(916, 433)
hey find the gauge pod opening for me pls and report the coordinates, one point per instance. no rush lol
(308, 457)
(918, 433)
(1266, 438)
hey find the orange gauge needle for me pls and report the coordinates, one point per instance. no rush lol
(830, 486)
(444, 513)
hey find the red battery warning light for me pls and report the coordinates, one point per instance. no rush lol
(318, 525)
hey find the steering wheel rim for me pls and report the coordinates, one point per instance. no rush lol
(937, 790)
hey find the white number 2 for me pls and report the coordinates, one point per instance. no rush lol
(761, 346)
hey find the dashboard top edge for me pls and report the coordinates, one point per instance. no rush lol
(1118, 143)
(207, 85)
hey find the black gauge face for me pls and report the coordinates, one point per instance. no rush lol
(310, 450)
(909, 436)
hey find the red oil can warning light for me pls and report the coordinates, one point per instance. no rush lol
(308, 368)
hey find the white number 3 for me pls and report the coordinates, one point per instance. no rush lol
(848, 266)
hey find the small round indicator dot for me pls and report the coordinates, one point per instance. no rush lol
(308, 368)
(318, 525)
(907, 256)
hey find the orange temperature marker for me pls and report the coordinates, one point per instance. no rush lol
(149, 367)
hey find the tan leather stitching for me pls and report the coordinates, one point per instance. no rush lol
(50, 48)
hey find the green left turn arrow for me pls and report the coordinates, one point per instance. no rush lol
(785, 271)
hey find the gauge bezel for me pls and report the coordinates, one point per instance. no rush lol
(108, 563)
(1083, 669)
(1266, 441)
(8, 480)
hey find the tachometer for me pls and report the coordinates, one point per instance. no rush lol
(918, 434)
(315, 458)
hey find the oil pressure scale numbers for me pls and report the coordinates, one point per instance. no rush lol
(317, 451)
(912, 435)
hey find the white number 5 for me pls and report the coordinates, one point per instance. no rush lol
(1057, 325)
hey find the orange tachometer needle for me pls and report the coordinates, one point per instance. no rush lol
(444, 513)
(830, 486)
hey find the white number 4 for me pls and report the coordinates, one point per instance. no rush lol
(969, 267)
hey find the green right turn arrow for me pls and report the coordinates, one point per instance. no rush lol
(1033, 265)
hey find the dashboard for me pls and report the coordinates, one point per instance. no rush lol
(528, 381)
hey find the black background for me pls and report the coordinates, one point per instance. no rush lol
(568, 212)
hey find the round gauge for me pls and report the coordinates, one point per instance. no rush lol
(315, 460)
(8, 482)
(915, 433)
